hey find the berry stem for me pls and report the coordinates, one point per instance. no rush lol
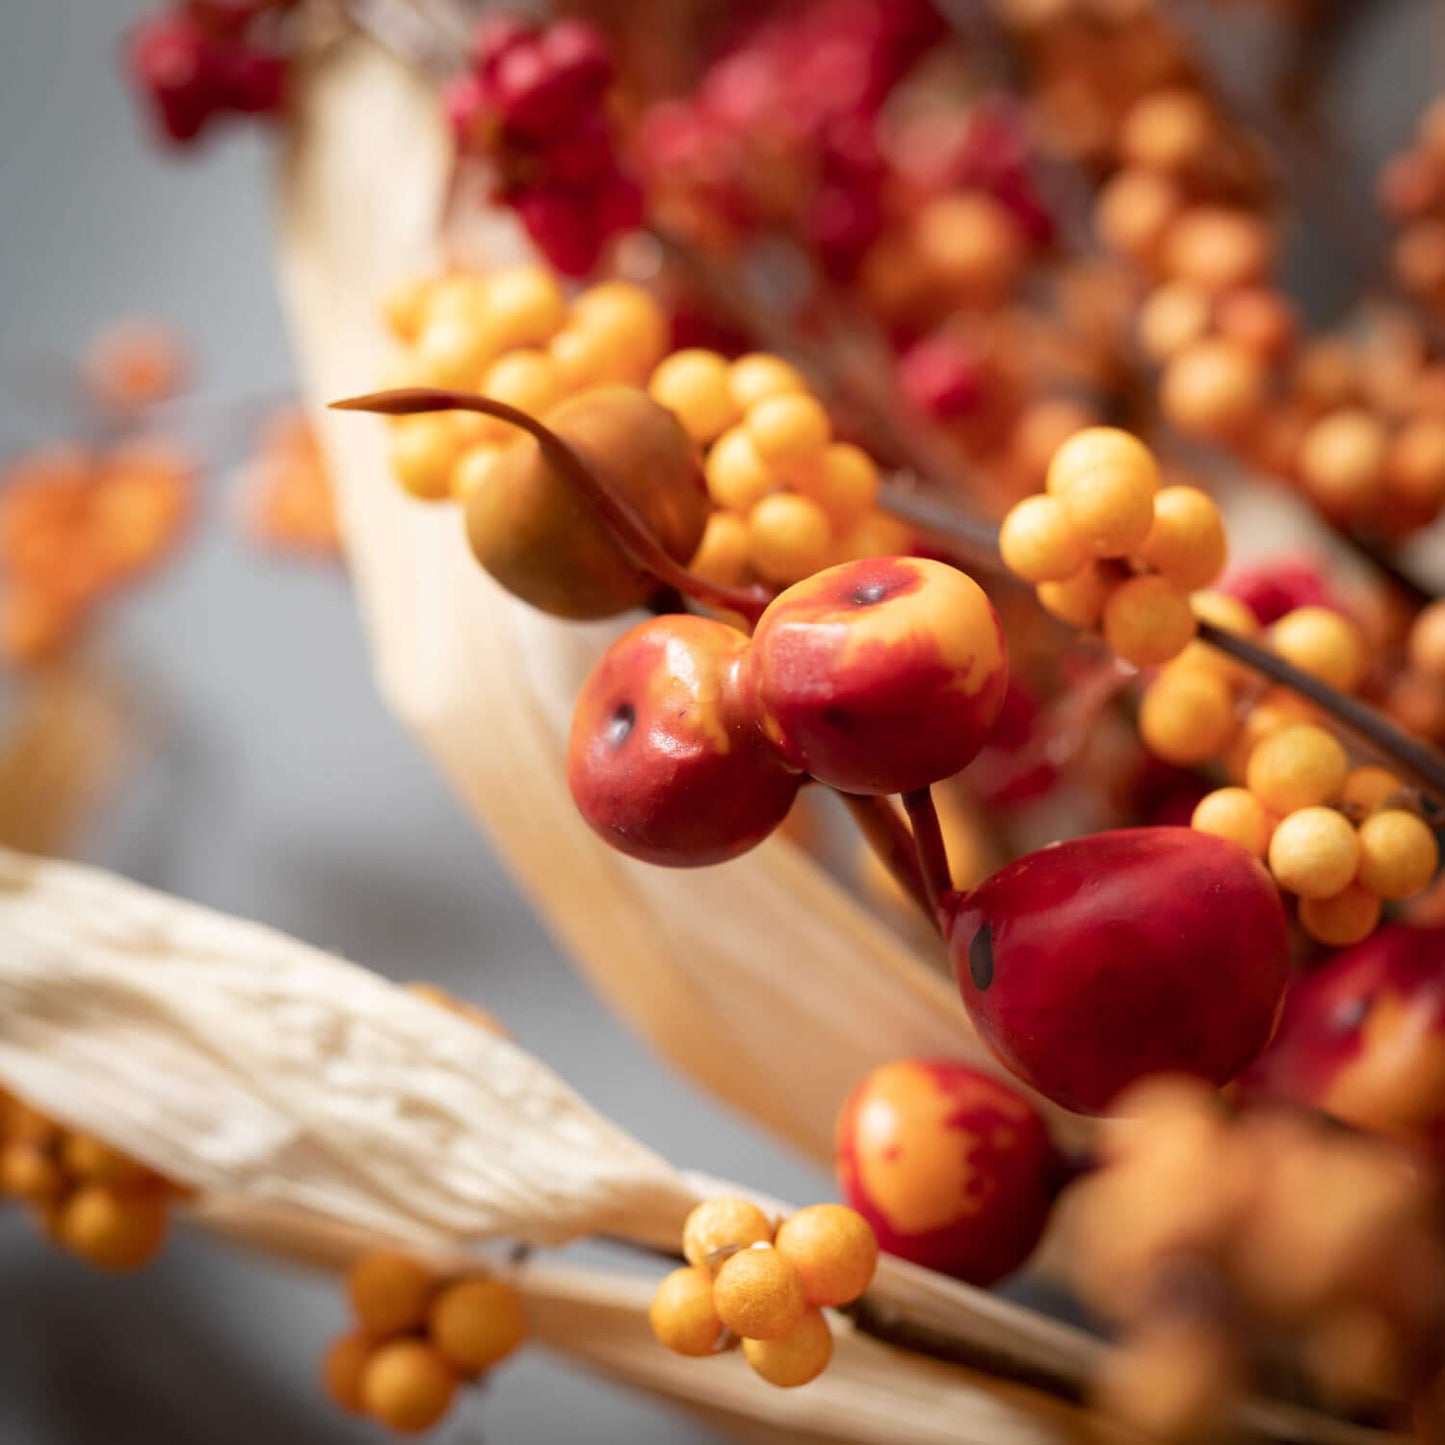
(887, 836)
(618, 515)
(932, 854)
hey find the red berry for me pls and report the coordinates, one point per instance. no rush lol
(1274, 588)
(251, 81)
(172, 60)
(493, 37)
(941, 378)
(561, 227)
(582, 156)
(880, 676)
(581, 57)
(665, 760)
(1096, 962)
(620, 206)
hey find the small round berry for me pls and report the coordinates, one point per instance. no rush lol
(1186, 541)
(390, 1293)
(586, 358)
(405, 305)
(1039, 543)
(1214, 390)
(835, 1250)
(1135, 210)
(723, 1223)
(1187, 717)
(722, 555)
(526, 379)
(1415, 464)
(1259, 319)
(624, 316)
(1077, 600)
(1314, 852)
(846, 484)
(423, 452)
(1106, 480)
(29, 1171)
(971, 245)
(1398, 853)
(1172, 317)
(1218, 249)
(477, 1323)
(1427, 642)
(736, 477)
(459, 296)
(788, 432)
(342, 1368)
(1230, 615)
(1342, 463)
(1297, 767)
(682, 1314)
(1370, 787)
(1324, 644)
(759, 375)
(1236, 814)
(94, 1161)
(525, 306)
(1168, 130)
(407, 1386)
(795, 1358)
(876, 535)
(693, 385)
(473, 469)
(112, 1231)
(451, 351)
(1346, 918)
(1147, 621)
(789, 538)
(758, 1293)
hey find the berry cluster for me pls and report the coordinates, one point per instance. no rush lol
(287, 490)
(533, 102)
(418, 1337)
(690, 741)
(197, 62)
(765, 1285)
(953, 1169)
(1412, 194)
(92, 1200)
(1107, 546)
(75, 527)
(1219, 1268)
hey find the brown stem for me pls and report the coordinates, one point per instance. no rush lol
(890, 840)
(932, 852)
(621, 519)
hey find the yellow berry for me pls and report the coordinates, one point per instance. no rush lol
(29, 1171)
(625, 316)
(1106, 480)
(723, 1223)
(407, 1386)
(1347, 917)
(423, 451)
(1039, 543)
(342, 1368)
(693, 385)
(759, 375)
(789, 538)
(834, 1249)
(1236, 814)
(1323, 644)
(1297, 767)
(789, 431)
(452, 351)
(1187, 717)
(110, 1230)
(1230, 615)
(758, 1293)
(1398, 853)
(526, 379)
(404, 306)
(795, 1358)
(722, 555)
(1147, 621)
(1214, 389)
(96, 1162)
(525, 306)
(1102, 448)
(584, 358)
(461, 296)
(736, 477)
(876, 535)
(1186, 541)
(477, 1323)
(472, 469)
(1369, 786)
(390, 1293)
(845, 483)
(682, 1314)
(1078, 600)
(1314, 852)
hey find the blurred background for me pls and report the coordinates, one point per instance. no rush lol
(272, 784)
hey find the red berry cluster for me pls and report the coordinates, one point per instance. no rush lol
(533, 101)
(203, 59)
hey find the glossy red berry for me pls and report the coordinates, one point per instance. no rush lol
(880, 676)
(953, 1169)
(941, 379)
(173, 63)
(494, 37)
(1096, 962)
(561, 226)
(665, 760)
(251, 81)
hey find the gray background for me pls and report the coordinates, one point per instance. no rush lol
(284, 792)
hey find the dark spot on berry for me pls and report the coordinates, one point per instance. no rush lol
(869, 594)
(980, 958)
(620, 724)
(1349, 1014)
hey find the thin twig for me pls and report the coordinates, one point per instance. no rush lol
(932, 852)
(885, 833)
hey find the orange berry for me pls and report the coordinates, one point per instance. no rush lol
(1147, 621)
(1218, 249)
(834, 1249)
(1259, 319)
(96, 1162)
(1415, 464)
(29, 1171)
(876, 535)
(404, 306)
(1236, 814)
(788, 432)
(845, 484)
(526, 379)
(736, 477)
(451, 351)
(1213, 390)
(759, 375)
(682, 1315)
(524, 306)
(1187, 717)
(342, 1368)
(1344, 919)
(1039, 542)
(1172, 317)
(1135, 210)
(1324, 644)
(477, 1323)
(1369, 786)
(1398, 853)
(795, 1358)
(722, 555)
(1186, 541)
(1168, 130)
(473, 468)
(971, 246)
(1297, 767)
(1314, 852)
(789, 538)
(1077, 600)
(112, 1231)
(1342, 463)
(1427, 642)
(390, 1293)
(1106, 480)
(423, 452)
(758, 1293)
(723, 1223)
(693, 385)
(584, 358)
(461, 296)
(626, 317)
(1230, 615)
(407, 1386)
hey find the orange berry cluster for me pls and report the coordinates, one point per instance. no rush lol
(1412, 194)
(1107, 546)
(418, 1337)
(92, 1200)
(747, 1280)
(75, 527)
(289, 501)
(1219, 1269)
